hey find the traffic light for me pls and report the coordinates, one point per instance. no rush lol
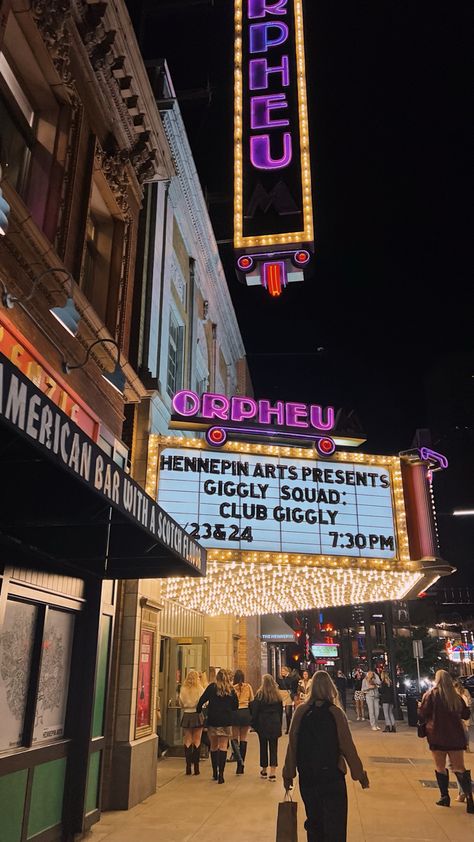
(4, 213)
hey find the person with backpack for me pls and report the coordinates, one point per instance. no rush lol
(267, 715)
(320, 744)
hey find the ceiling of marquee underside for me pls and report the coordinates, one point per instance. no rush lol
(247, 589)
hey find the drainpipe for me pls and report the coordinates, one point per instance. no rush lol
(162, 281)
(214, 356)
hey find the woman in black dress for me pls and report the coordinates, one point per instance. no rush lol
(221, 703)
(267, 715)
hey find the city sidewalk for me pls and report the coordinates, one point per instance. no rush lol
(396, 808)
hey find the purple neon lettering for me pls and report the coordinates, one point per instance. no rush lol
(259, 72)
(260, 37)
(266, 411)
(259, 8)
(261, 108)
(242, 408)
(260, 152)
(215, 406)
(317, 420)
(186, 403)
(294, 411)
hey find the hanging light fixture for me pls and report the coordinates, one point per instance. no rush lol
(67, 316)
(115, 378)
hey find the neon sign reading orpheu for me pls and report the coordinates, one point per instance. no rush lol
(293, 420)
(273, 201)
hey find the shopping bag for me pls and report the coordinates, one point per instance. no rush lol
(287, 829)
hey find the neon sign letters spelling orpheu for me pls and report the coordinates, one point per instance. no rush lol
(268, 419)
(264, 36)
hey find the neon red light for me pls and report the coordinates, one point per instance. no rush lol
(326, 445)
(301, 257)
(274, 279)
(216, 436)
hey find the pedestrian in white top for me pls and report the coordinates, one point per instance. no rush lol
(370, 688)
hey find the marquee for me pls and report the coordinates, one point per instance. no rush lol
(285, 530)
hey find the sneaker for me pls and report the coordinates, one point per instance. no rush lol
(374, 728)
(272, 778)
(363, 719)
(263, 773)
(358, 719)
(377, 728)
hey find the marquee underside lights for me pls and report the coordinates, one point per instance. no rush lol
(273, 215)
(248, 589)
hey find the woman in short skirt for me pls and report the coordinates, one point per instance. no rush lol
(221, 703)
(192, 721)
(242, 719)
(359, 695)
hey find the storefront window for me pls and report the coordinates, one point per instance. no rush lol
(53, 685)
(16, 649)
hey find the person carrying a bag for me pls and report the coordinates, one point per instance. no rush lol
(267, 715)
(319, 745)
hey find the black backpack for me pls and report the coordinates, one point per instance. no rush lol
(317, 750)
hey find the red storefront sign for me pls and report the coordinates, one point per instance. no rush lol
(26, 358)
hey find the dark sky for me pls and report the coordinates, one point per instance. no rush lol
(389, 294)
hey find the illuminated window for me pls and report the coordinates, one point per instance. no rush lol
(175, 356)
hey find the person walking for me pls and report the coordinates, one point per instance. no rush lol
(319, 746)
(191, 721)
(242, 719)
(441, 711)
(284, 685)
(304, 686)
(341, 684)
(221, 703)
(359, 695)
(370, 688)
(267, 715)
(465, 694)
(386, 697)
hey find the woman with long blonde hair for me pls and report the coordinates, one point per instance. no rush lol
(267, 715)
(442, 710)
(319, 745)
(221, 703)
(191, 721)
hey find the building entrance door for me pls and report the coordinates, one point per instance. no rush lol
(181, 655)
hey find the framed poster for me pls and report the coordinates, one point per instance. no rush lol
(146, 679)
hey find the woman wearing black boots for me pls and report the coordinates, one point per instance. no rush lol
(222, 702)
(242, 719)
(191, 722)
(441, 711)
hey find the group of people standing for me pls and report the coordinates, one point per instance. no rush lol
(371, 689)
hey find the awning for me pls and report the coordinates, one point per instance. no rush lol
(66, 506)
(273, 629)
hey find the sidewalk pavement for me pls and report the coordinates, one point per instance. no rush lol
(396, 808)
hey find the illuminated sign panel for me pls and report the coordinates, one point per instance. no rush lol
(324, 650)
(272, 178)
(276, 504)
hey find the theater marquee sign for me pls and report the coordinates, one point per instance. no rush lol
(280, 505)
(287, 528)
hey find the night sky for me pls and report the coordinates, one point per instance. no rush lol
(389, 293)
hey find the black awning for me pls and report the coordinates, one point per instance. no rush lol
(273, 629)
(66, 506)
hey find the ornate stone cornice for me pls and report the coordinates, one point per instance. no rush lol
(52, 18)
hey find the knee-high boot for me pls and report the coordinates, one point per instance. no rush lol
(443, 783)
(465, 783)
(196, 758)
(215, 764)
(243, 752)
(222, 760)
(188, 753)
